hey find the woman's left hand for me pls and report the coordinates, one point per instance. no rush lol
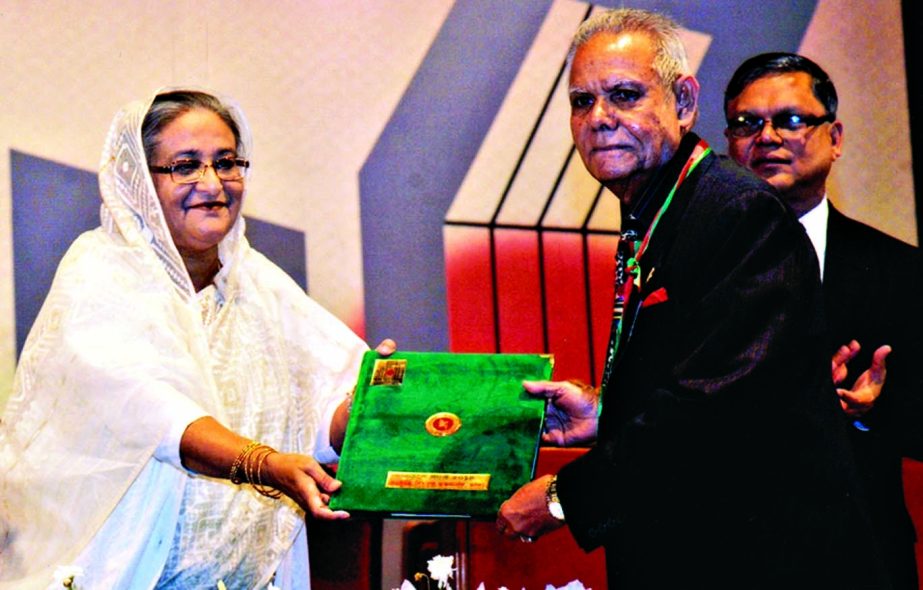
(387, 347)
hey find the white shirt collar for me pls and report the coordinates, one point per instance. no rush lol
(815, 224)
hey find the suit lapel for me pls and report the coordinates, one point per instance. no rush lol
(652, 276)
(846, 264)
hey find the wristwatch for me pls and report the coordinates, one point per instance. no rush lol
(551, 497)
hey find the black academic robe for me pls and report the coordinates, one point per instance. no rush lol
(722, 459)
(872, 286)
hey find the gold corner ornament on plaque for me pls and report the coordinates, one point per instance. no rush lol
(388, 372)
(443, 424)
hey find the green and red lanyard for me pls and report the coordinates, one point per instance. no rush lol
(629, 265)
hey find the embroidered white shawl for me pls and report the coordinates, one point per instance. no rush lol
(120, 332)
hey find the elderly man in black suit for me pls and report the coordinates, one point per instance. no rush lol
(781, 114)
(721, 458)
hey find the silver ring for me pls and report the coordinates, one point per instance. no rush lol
(526, 538)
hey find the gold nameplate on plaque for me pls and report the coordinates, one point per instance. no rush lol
(443, 424)
(466, 482)
(388, 372)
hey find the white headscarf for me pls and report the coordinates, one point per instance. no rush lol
(120, 335)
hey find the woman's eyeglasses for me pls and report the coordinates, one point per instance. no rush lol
(191, 171)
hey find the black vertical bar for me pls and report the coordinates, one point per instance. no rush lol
(495, 297)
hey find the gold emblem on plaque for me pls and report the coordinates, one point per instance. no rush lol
(443, 424)
(388, 371)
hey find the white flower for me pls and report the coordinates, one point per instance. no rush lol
(65, 575)
(440, 569)
(221, 585)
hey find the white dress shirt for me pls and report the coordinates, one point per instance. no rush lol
(815, 224)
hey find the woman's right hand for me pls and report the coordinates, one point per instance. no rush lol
(210, 449)
(305, 481)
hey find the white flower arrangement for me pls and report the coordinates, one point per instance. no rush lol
(442, 567)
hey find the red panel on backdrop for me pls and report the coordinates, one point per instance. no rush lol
(519, 294)
(566, 304)
(913, 491)
(469, 290)
(570, 274)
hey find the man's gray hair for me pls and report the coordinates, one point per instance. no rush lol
(670, 61)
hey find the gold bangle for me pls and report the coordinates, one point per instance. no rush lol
(235, 467)
(248, 468)
(262, 489)
(248, 463)
(349, 400)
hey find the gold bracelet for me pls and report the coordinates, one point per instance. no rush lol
(262, 489)
(248, 468)
(349, 400)
(235, 467)
(248, 463)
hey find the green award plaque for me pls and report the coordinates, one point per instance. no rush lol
(435, 434)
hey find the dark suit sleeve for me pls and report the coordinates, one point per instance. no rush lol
(691, 431)
(872, 288)
(900, 411)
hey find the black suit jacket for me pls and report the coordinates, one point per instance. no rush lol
(872, 294)
(722, 459)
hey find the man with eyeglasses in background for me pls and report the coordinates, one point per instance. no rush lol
(781, 124)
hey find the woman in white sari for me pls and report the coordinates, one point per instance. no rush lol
(165, 349)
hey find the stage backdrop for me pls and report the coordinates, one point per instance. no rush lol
(413, 166)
